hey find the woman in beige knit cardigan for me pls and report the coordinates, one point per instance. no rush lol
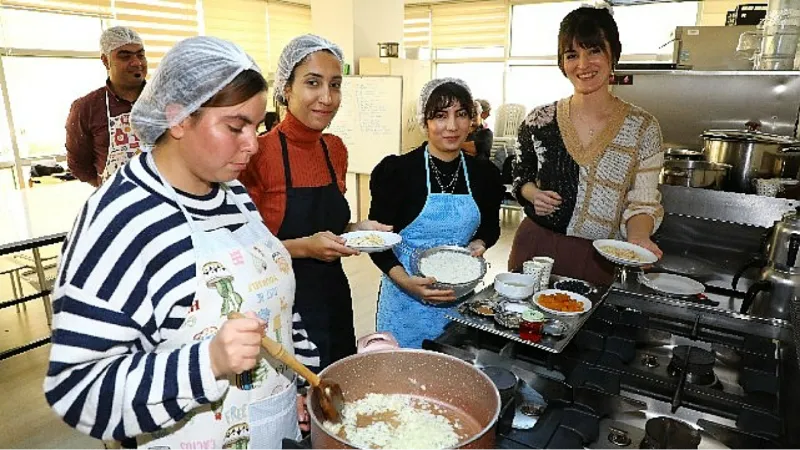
(589, 163)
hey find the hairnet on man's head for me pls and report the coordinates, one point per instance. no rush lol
(115, 37)
(485, 105)
(294, 53)
(192, 72)
(428, 89)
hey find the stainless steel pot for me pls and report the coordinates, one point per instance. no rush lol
(696, 174)
(682, 154)
(751, 154)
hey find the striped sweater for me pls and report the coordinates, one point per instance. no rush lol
(125, 283)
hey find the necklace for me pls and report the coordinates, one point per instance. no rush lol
(445, 188)
(605, 113)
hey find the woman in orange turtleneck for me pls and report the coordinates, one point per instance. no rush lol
(297, 182)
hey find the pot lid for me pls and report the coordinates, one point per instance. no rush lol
(750, 136)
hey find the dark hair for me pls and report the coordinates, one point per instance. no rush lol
(591, 28)
(290, 80)
(239, 90)
(271, 118)
(446, 96)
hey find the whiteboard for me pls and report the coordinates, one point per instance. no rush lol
(369, 120)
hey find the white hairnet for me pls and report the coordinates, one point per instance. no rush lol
(478, 107)
(599, 4)
(192, 72)
(294, 53)
(428, 89)
(115, 37)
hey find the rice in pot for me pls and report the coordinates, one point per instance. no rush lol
(396, 421)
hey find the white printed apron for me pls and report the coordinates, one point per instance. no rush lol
(123, 144)
(244, 270)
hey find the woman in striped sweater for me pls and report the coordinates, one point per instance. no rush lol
(159, 256)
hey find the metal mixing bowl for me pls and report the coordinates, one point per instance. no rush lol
(460, 289)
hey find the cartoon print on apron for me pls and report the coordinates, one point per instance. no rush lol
(123, 144)
(259, 408)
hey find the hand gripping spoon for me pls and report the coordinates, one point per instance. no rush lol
(331, 398)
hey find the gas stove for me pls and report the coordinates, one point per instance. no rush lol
(639, 371)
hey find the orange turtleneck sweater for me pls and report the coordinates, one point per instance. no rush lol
(264, 177)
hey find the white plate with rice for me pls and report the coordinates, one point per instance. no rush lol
(371, 241)
(624, 253)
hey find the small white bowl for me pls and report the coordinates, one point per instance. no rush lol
(514, 285)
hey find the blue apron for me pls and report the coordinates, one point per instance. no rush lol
(446, 219)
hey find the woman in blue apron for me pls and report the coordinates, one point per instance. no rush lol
(297, 181)
(434, 195)
(143, 352)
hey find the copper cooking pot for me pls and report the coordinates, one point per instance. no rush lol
(446, 380)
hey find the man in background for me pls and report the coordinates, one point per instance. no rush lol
(100, 139)
(486, 108)
(479, 141)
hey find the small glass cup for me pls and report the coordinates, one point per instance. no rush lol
(531, 330)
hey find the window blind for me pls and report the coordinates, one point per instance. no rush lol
(470, 24)
(80, 7)
(285, 22)
(417, 27)
(161, 23)
(241, 21)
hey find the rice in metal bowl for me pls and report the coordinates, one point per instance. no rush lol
(451, 267)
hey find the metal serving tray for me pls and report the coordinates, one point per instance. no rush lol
(573, 324)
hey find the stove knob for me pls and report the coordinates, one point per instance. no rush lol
(650, 361)
(618, 437)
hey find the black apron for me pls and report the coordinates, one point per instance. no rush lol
(323, 292)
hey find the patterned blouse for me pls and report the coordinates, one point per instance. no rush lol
(602, 185)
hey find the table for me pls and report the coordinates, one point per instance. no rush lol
(33, 218)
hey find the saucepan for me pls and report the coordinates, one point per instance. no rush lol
(461, 389)
(696, 174)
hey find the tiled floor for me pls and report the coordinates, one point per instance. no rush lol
(28, 422)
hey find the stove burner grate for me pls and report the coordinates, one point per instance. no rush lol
(700, 369)
(666, 432)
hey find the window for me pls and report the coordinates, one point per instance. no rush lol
(41, 91)
(53, 31)
(161, 24)
(534, 28)
(484, 79)
(6, 152)
(470, 53)
(644, 29)
(648, 29)
(52, 59)
(417, 27)
(285, 22)
(469, 24)
(533, 86)
(241, 21)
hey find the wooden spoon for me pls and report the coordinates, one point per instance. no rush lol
(331, 398)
